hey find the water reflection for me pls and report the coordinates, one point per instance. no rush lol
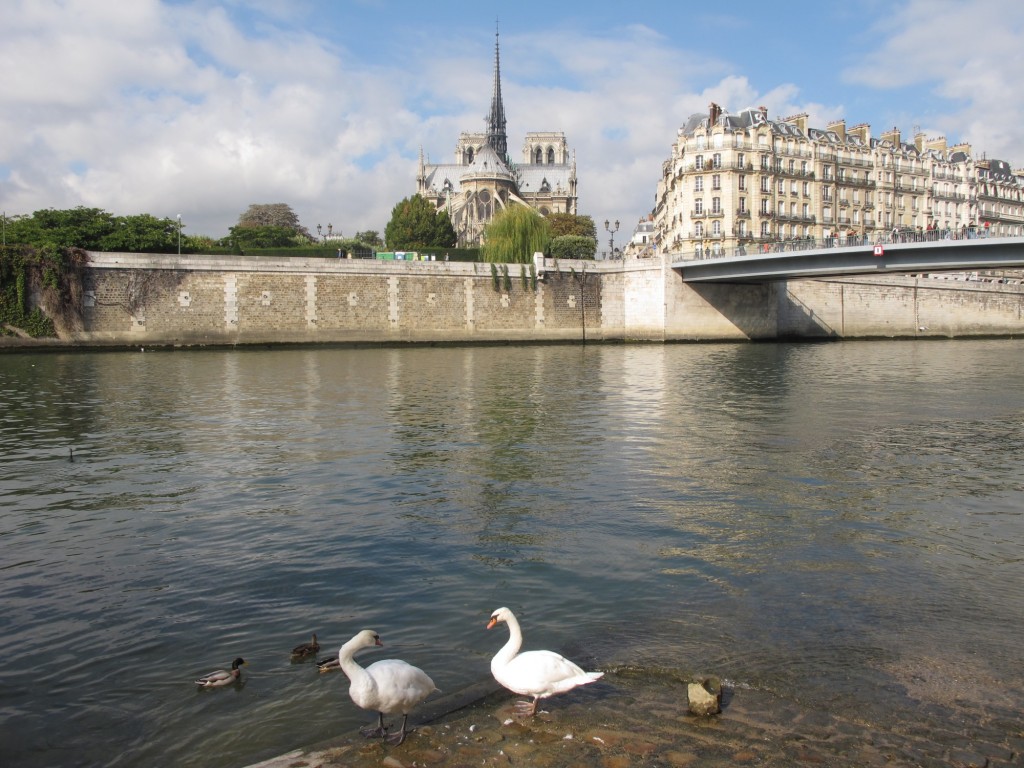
(830, 519)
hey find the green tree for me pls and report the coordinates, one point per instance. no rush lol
(415, 224)
(515, 234)
(73, 228)
(267, 236)
(571, 224)
(370, 237)
(272, 215)
(143, 233)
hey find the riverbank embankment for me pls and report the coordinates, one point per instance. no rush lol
(149, 300)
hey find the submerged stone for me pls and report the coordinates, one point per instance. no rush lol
(705, 696)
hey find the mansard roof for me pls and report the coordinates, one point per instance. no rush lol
(533, 177)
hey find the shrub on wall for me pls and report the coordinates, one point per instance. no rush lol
(572, 247)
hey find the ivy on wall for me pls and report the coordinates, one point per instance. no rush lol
(32, 278)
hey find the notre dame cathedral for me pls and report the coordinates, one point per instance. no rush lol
(483, 180)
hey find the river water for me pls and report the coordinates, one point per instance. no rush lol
(838, 524)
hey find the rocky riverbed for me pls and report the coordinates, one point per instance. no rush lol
(638, 718)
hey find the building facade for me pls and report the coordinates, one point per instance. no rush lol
(735, 183)
(483, 180)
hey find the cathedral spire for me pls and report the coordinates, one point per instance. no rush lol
(496, 136)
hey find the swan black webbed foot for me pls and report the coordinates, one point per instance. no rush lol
(398, 738)
(380, 731)
(526, 708)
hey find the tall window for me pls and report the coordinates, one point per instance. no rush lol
(698, 206)
(766, 229)
(764, 184)
(698, 184)
(716, 205)
(743, 205)
(717, 160)
(716, 181)
(698, 229)
(742, 181)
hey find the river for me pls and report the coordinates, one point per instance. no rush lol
(836, 524)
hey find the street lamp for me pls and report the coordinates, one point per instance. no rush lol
(179, 234)
(611, 241)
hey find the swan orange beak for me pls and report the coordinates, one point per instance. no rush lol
(491, 623)
(377, 641)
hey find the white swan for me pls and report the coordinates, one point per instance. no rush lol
(535, 673)
(387, 687)
(222, 676)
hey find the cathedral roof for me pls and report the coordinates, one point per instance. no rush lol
(533, 178)
(488, 163)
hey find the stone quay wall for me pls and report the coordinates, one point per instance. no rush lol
(145, 299)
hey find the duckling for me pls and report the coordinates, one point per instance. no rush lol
(223, 677)
(306, 649)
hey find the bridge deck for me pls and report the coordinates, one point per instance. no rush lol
(930, 256)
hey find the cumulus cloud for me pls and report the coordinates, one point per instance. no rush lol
(967, 57)
(203, 108)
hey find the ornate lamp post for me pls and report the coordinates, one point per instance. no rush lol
(320, 232)
(611, 241)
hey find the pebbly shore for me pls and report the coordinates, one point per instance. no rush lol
(630, 719)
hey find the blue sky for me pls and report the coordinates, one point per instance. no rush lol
(202, 108)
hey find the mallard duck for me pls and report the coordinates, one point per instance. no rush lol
(306, 649)
(221, 676)
(535, 673)
(330, 664)
(387, 687)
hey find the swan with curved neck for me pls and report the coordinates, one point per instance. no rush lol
(539, 674)
(387, 687)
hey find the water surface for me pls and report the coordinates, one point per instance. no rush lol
(840, 524)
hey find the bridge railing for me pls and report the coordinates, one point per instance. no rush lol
(793, 245)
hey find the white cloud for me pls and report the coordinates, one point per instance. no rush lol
(968, 56)
(200, 109)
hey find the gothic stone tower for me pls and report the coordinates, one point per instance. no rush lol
(483, 180)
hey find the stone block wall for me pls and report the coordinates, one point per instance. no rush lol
(155, 299)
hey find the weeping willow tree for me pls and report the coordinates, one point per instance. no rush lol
(514, 235)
